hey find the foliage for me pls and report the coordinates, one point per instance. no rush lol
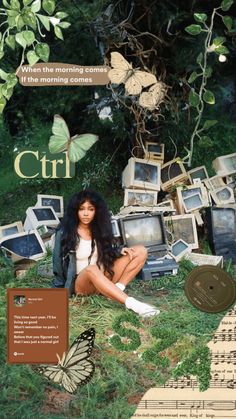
(23, 24)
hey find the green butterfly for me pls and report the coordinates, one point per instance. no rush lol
(61, 140)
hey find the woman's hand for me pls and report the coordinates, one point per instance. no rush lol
(128, 251)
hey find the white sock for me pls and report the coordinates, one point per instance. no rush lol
(120, 286)
(143, 309)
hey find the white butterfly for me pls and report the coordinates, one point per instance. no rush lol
(74, 368)
(123, 72)
(155, 95)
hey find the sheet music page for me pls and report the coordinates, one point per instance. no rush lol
(182, 399)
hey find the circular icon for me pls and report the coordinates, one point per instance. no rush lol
(15, 353)
(209, 288)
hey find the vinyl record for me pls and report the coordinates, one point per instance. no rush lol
(210, 289)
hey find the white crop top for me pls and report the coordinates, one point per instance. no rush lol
(83, 251)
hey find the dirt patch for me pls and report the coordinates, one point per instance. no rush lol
(56, 401)
(135, 398)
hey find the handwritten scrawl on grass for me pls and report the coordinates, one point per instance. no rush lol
(75, 146)
(74, 369)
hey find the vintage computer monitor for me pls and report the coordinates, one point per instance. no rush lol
(179, 249)
(141, 174)
(198, 173)
(54, 201)
(221, 226)
(225, 195)
(12, 228)
(25, 245)
(188, 199)
(225, 165)
(172, 172)
(38, 216)
(140, 197)
(146, 229)
(154, 151)
(182, 227)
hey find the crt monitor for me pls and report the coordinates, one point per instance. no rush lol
(221, 225)
(38, 216)
(148, 230)
(28, 245)
(54, 201)
(10, 229)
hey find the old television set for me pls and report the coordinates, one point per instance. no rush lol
(154, 151)
(188, 199)
(146, 229)
(141, 173)
(225, 195)
(216, 182)
(10, 229)
(179, 249)
(54, 201)
(198, 173)
(25, 245)
(182, 227)
(38, 216)
(221, 228)
(172, 172)
(225, 165)
(140, 197)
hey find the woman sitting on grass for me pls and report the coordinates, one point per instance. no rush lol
(85, 260)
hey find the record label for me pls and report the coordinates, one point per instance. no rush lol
(211, 289)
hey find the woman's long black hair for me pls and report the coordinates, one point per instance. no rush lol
(101, 228)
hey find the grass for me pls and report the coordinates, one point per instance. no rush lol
(121, 377)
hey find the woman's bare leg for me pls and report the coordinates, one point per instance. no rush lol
(125, 269)
(91, 281)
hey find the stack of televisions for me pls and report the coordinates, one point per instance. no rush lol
(28, 242)
(168, 227)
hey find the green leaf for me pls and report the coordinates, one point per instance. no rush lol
(30, 19)
(58, 33)
(219, 40)
(1, 54)
(194, 99)
(29, 37)
(64, 25)
(193, 29)
(209, 97)
(10, 41)
(7, 91)
(43, 51)
(228, 21)
(21, 40)
(27, 2)
(200, 17)
(208, 71)
(32, 57)
(19, 22)
(45, 21)
(206, 141)
(6, 4)
(49, 6)
(3, 75)
(12, 80)
(193, 76)
(199, 58)
(12, 13)
(36, 6)
(209, 123)
(61, 15)
(15, 4)
(3, 103)
(226, 4)
(11, 21)
(222, 50)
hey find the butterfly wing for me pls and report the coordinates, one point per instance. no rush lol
(120, 70)
(145, 78)
(153, 97)
(79, 145)
(61, 135)
(146, 100)
(51, 372)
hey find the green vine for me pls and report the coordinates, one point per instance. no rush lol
(198, 99)
(23, 22)
(132, 335)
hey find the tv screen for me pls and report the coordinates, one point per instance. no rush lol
(154, 148)
(52, 202)
(199, 174)
(145, 172)
(140, 198)
(144, 229)
(10, 230)
(26, 245)
(170, 171)
(192, 202)
(189, 192)
(224, 222)
(178, 247)
(223, 194)
(44, 214)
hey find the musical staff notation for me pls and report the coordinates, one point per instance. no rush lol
(221, 357)
(188, 404)
(231, 312)
(192, 383)
(225, 335)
